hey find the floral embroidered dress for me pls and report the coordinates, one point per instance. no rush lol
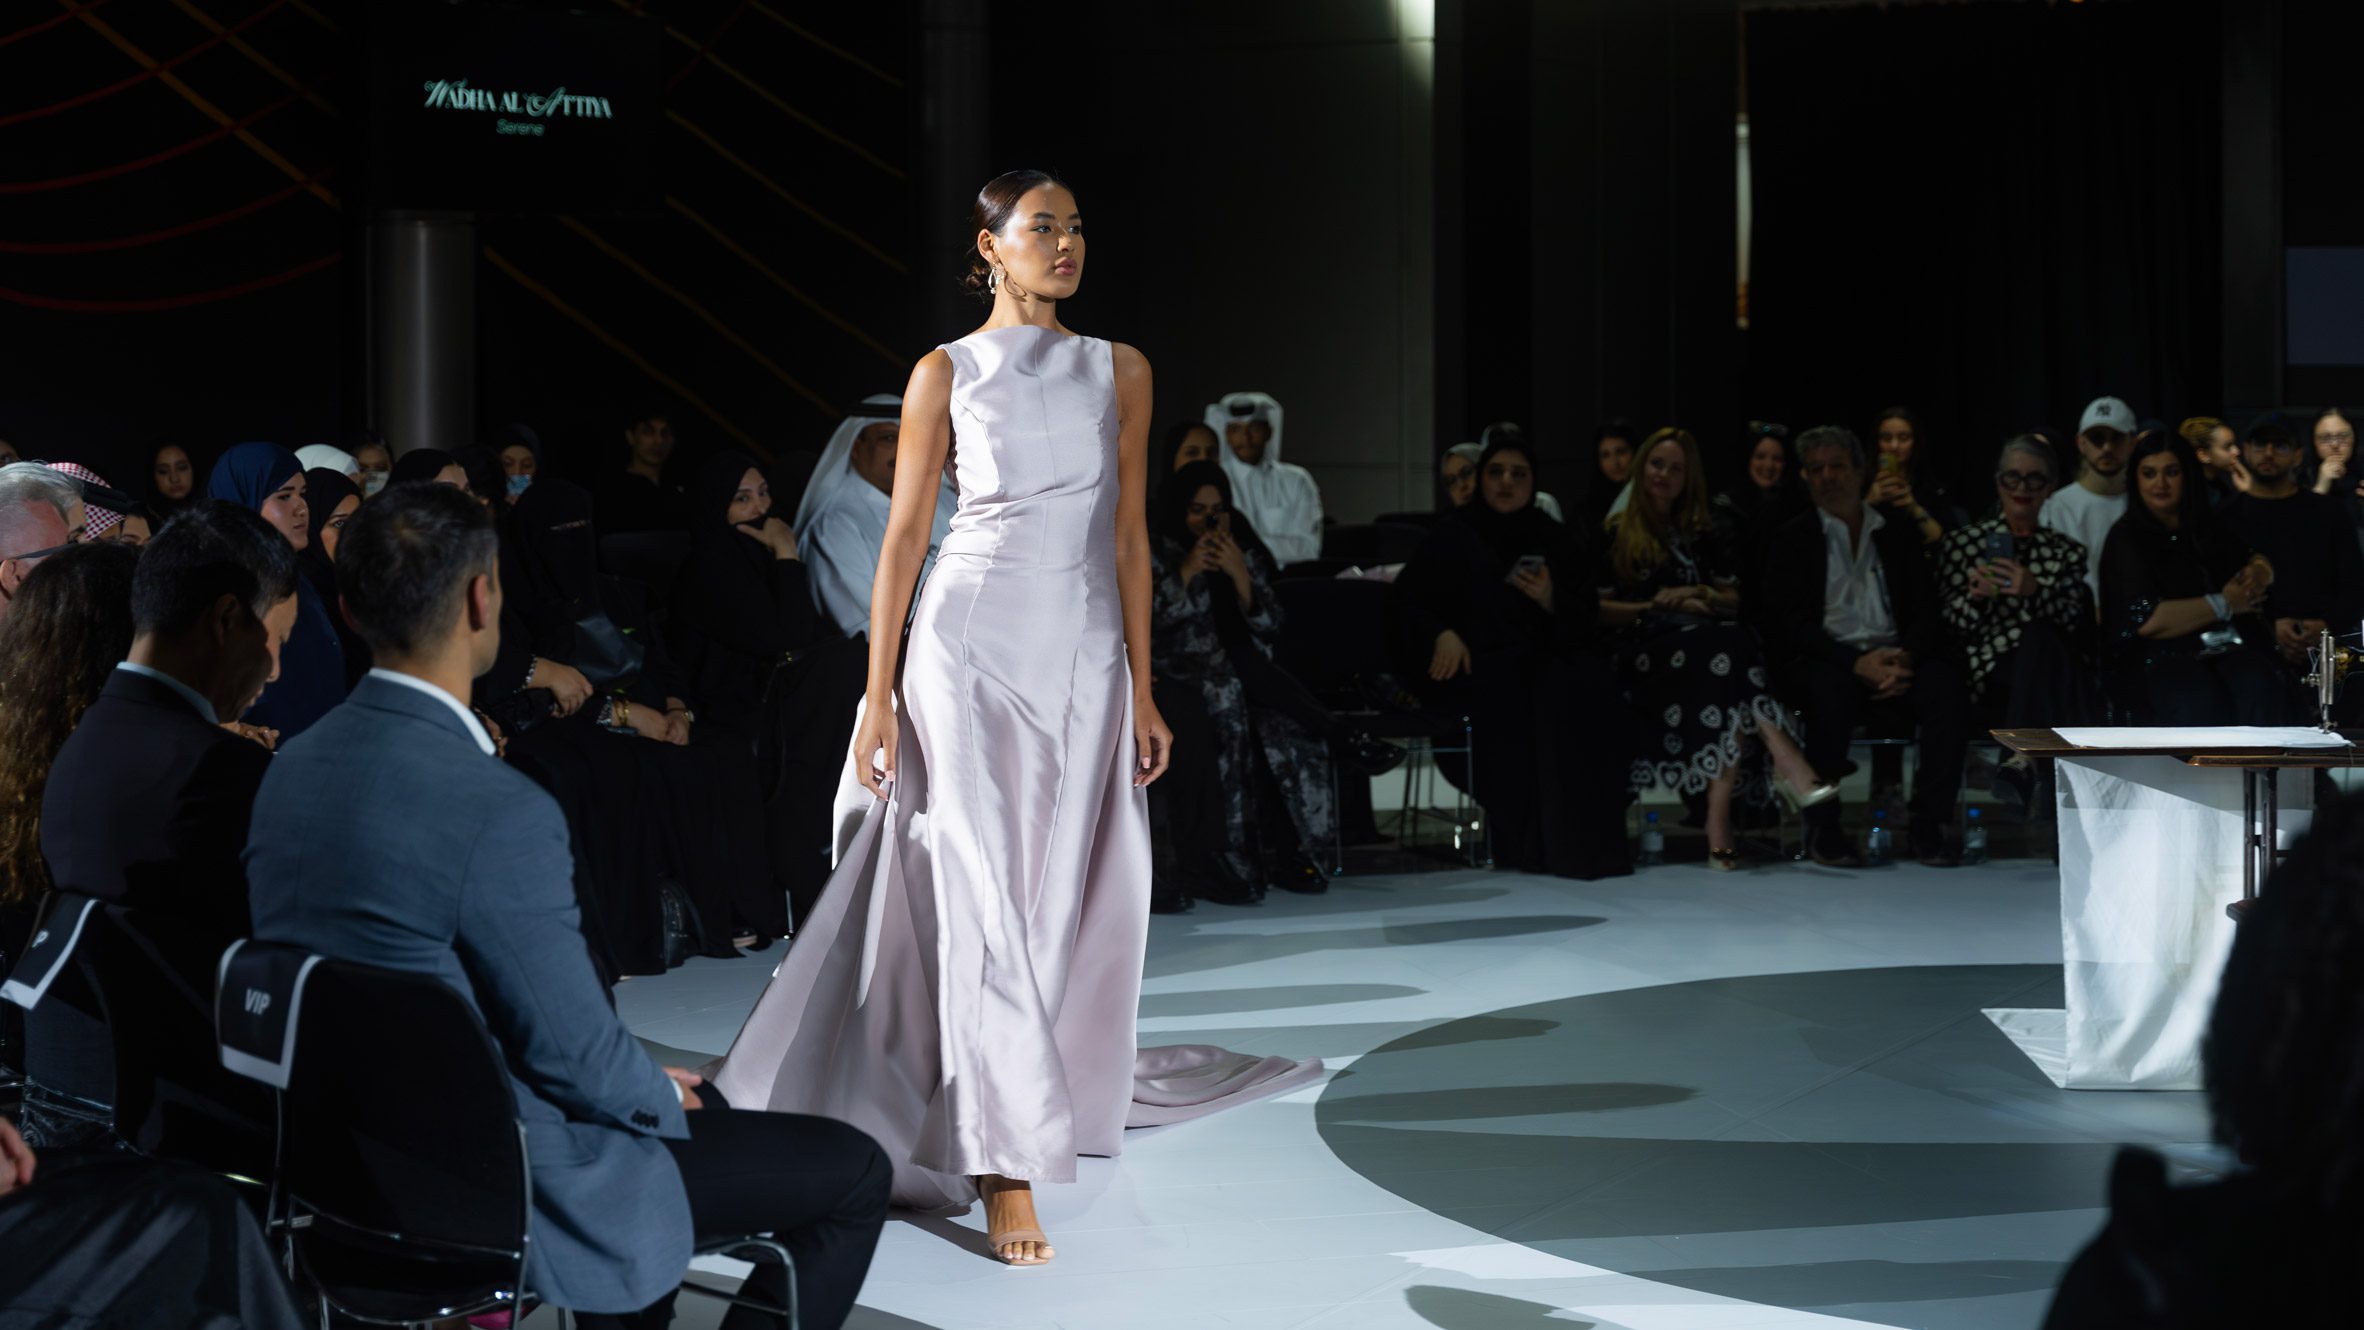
(1699, 684)
(1188, 631)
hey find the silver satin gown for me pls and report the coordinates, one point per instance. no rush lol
(966, 988)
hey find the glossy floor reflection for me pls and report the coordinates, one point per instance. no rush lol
(1681, 1099)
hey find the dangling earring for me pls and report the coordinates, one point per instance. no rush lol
(993, 283)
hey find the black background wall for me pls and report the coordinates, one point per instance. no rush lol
(1403, 219)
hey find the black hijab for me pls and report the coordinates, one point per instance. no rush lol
(553, 572)
(420, 464)
(711, 488)
(485, 478)
(323, 491)
(1510, 536)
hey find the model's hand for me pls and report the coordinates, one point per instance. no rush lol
(689, 1081)
(1152, 740)
(874, 748)
(1450, 658)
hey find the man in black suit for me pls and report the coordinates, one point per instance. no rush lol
(148, 801)
(1849, 613)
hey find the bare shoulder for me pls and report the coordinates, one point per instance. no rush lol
(1129, 362)
(931, 379)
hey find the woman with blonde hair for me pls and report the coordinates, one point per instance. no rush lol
(1697, 678)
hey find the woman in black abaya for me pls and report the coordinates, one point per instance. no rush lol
(772, 675)
(700, 800)
(1494, 619)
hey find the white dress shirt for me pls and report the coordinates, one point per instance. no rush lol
(1854, 585)
(458, 708)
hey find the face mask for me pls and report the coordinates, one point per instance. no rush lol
(519, 484)
(372, 482)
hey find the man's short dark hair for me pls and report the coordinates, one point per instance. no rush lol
(405, 560)
(209, 550)
(1831, 436)
(2271, 432)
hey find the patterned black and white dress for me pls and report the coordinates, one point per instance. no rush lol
(1698, 684)
(1990, 628)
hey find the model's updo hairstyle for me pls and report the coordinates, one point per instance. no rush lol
(996, 204)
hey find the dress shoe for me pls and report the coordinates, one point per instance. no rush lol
(1934, 846)
(1832, 849)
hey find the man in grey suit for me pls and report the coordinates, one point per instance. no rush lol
(459, 868)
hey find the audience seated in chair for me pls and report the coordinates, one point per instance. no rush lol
(2274, 1242)
(2181, 641)
(1850, 618)
(463, 874)
(2014, 594)
(698, 802)
(1697, 681)
(1908, 482)
(773, 674)
(265, 478)
(70, 624)
(1213, 620)
(1279, 498)
(2307, 537)
(333, 499)
(1494, 619)
(639, 493)
(1769, 495)
(2086, 510)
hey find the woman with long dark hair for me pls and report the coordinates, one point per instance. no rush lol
(1697, 679)
(68, 626)
(1213, 620)
(333, 498)
(1908, 486)
(2183, 644)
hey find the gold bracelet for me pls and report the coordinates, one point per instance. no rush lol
(623, 712)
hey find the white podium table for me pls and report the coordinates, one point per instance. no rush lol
(2160, 847)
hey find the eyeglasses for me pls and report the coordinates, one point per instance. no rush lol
(2024, 482)
(38, 555)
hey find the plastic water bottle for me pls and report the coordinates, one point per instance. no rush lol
(1974, 840)
(1876, 845)
(1653, 841)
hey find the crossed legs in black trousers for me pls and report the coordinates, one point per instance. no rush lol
(816, 1185)
(1836, 700)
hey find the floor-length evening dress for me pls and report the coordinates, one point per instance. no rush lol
(966, 988)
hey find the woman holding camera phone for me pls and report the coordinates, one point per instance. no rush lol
(2014, 592)
(2179, 591)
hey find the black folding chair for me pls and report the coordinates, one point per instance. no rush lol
(402, 1162)
(1333, 637)
(1370, 543)
(48, 969)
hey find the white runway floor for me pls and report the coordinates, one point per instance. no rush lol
(1675, 1100)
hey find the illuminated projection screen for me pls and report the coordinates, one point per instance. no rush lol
(505, 108)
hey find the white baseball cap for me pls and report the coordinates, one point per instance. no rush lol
(2108, 413)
